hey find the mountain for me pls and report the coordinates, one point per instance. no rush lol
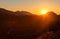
(23, 16)
(5, 12)
(25, 25)
(23, 13)
(12, 24)
(18, 13)
(53, 18)
(48, 20)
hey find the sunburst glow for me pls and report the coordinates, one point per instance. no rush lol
(44, 12)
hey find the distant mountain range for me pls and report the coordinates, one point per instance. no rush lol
(4, 11)
(50, 16)
(26, 23)
(23, 13)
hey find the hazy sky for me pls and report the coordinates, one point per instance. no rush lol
(34, 6)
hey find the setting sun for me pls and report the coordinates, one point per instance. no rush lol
(44, 12)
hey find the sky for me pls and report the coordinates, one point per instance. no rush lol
(33, 6)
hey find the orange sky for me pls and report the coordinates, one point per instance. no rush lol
(34, 6)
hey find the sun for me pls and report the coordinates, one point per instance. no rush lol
(43, 12)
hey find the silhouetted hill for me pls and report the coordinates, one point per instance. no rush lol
(23, 13)
(48, 20)
(53, 18)
(5, 12)
(25, 25)
(51, 13)
(18, 26)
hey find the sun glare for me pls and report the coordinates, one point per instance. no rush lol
(44, 12)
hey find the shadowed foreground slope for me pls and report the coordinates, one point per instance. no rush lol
(24, 25)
